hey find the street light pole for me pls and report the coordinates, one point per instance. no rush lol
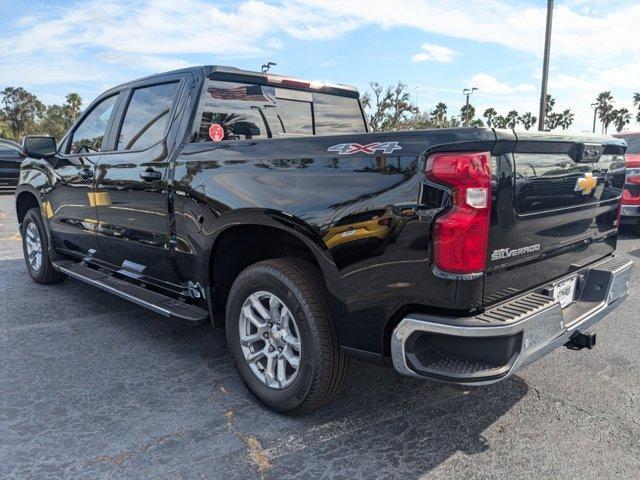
(595, 111)
(545, 67)
(468, 92)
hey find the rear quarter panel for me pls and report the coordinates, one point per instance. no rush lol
(361, 214)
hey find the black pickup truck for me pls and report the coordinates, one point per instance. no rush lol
(263, 203)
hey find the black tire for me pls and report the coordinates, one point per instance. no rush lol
(323, 367)
(45, 273)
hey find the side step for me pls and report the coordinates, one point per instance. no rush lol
(156, 302)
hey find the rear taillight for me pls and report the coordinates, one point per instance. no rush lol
(461, 235)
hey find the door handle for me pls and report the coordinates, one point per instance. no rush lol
(86, 173)
(150, 175)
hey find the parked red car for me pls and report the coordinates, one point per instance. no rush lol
(630, 213)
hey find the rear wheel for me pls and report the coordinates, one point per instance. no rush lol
(36, 253)
(280, 331)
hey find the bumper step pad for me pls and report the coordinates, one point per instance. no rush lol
(162, 304)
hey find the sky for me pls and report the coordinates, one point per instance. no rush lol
(436, 47)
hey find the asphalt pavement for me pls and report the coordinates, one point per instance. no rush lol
(92, 386)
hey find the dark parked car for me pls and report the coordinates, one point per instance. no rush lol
(263, 204)
(11, 157)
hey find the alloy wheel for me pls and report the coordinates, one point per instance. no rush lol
(270, 339)
(34, 246)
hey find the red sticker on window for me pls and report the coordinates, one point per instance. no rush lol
(216, 132)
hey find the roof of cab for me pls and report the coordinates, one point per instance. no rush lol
(235, 74)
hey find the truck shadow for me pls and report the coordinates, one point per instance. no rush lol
(145, 374)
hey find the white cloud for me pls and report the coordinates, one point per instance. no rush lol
(165, 27)
(488, 84)
(435, 53)
(111, 40)
(148, 62)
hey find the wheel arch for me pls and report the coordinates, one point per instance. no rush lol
(250, 235)
(26, 199)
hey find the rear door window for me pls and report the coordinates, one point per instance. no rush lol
(147, 117)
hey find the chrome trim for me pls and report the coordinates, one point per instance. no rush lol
(542, 331)
(455, 276)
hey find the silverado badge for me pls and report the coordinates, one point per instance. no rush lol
(586, 184)
(502, 253)
(370, 148)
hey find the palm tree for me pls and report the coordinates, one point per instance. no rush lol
(467, 112)
(439, 114)
(489, 114)
(512, 119)
(551, 102)
(621, 118)
(74, 103)
(500, 122)
(554, 120)
(605, 109)
(527, 120)
(636, 102)
(548, 112)
(566, 119)
(71, 109)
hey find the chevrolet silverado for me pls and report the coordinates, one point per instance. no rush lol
(263, 204)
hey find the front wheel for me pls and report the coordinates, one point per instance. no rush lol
(280, 331)
(36, 253)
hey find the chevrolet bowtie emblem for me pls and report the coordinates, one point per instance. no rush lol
(586, 184)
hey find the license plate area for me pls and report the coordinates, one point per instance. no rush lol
(565, 291)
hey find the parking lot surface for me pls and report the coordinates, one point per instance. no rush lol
(95, 387)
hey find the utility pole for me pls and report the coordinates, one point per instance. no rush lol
(467, 92)
(545, 67)
(595, 111)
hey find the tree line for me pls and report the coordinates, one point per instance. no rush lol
(608, 114)
(391, 108)
(22, 113)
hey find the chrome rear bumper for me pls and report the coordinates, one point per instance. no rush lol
(491, 346)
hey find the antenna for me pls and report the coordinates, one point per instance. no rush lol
(267, 66)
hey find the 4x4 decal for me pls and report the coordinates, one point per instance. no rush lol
(371, 148)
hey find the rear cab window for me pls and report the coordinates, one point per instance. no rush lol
(245, 111)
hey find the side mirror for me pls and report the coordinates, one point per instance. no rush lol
(39, 146)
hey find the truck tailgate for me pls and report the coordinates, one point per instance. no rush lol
(555, 206)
